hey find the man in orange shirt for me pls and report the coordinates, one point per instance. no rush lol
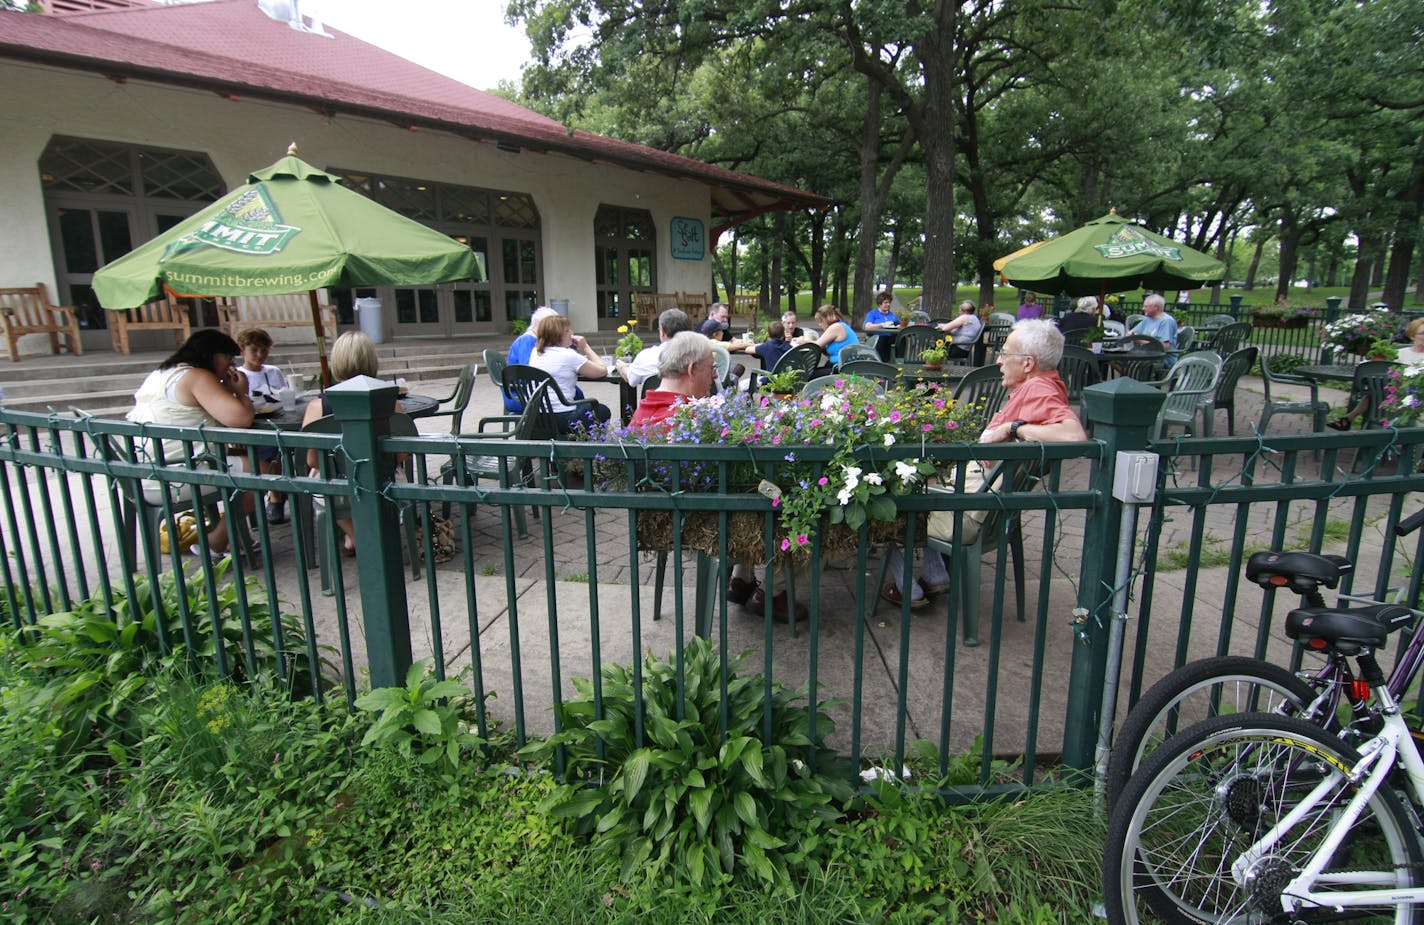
(1037, 410)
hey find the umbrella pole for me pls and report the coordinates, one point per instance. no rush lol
(320, 339)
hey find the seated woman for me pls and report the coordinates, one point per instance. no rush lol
(836, 333)
(881, 322)
(963, 330)
(199, 385)
(566, 357)
(353, 354)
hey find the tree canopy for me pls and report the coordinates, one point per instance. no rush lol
(953, 133)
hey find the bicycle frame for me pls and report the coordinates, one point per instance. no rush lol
(1379, 756)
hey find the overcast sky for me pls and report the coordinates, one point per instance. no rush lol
(463, 39)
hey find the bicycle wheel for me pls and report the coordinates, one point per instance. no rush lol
(1228, 684)
(1207, 795)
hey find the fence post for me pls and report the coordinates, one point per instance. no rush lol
(364, 406)
(1122, 413)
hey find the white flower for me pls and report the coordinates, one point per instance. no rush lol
(889, 439)
(874, 478)
(1411, 401)
(843, 496)
(905, 470)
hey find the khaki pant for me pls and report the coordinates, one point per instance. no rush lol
(942, 522)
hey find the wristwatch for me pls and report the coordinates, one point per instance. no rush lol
(1014, 429)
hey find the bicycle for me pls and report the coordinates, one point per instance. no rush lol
(1238, 684)
(1264, 817)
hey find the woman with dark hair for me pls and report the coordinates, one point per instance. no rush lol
(199, 385)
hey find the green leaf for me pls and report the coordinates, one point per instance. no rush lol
(752, 761)
(882, 507)
(700, 802)
(854, 515)
(446, 690)
(746, 808)
(427, 721)
(635, 771)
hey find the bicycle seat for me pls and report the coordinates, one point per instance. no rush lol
(1301, 572)
(1347, 630)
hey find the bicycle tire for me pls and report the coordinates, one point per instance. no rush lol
(1234, 677)
(1207, 794)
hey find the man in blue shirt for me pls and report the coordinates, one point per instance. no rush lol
(1160, 325)
(881, 322)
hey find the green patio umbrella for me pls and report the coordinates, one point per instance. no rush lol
(291, 228)
(1110, 254)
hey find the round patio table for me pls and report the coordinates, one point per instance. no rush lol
(417, 406)
(1327, 373)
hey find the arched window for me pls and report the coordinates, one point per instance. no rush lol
(105, 198)
(501, 227)
(626, 260)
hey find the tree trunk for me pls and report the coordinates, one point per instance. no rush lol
(778, 253)
(893, 261)
(1406, 232)
(872, 201)
(1364, 263)
(1290, 253)
(934, 126)
(1255, 263)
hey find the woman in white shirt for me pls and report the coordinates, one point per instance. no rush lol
(197, 386)
(1413, 355)
(566, 357)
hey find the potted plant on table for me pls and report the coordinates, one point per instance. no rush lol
(786, 382)
(629, 344)
(933, 357)
(1095, 336)
(1381, 349)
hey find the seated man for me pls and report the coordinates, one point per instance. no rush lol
(963, 331)
(686, 367)
(1037, 410)
(671, 322)
(716, 326)
(789, 325)
(1160, 325)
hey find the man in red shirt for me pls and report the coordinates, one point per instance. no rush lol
(1037, 410)
(686, 367)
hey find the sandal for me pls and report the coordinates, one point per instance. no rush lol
(892, 594)
(1339, 424)
(931, 590)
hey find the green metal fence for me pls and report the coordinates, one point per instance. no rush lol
(519, 617)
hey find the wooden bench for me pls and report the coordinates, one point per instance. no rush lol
(165, 314)
(746, 306)
(695, 304)
(647, 306)
(28, 311)
(238, 313)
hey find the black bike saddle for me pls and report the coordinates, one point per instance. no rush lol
(1301, 572)
(1347, 630)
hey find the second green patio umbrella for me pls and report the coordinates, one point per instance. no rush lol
(291, 228)
(1110, 254)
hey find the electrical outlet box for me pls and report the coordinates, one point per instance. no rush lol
(1135, 481)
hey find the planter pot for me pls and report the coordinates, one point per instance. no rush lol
(745, 534)
(933, 366)
(1280, 322)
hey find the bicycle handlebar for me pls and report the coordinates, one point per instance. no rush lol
(1409, 524)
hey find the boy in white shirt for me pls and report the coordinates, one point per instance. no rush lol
(263, 381)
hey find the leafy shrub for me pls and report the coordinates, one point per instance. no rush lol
(691, 799)
(94, 663)
(425, 721)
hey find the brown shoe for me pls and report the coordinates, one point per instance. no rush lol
(757, 604)
(739, 590)
(931, 590)
(892, 594)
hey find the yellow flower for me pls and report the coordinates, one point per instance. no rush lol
(622, 329)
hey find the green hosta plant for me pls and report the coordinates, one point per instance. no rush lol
(424, 721)
(691, 799)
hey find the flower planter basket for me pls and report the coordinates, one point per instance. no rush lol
(745, 534)
(1280, 322)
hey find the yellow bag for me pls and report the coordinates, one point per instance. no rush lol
(187, 526)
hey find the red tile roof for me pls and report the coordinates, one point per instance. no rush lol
(232, 48)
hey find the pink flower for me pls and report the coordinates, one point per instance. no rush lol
(894, 417)
(802, 539)
(785, 544)
(823, 481)
(951, 425)
(776, 502)
(927, 428)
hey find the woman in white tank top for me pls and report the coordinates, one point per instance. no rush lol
(198, 385)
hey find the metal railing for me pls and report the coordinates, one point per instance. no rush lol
(519, 618)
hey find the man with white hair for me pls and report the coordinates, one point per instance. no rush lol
(1037, 410)
(671, 322)
(686, 367)
(1160, 325)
